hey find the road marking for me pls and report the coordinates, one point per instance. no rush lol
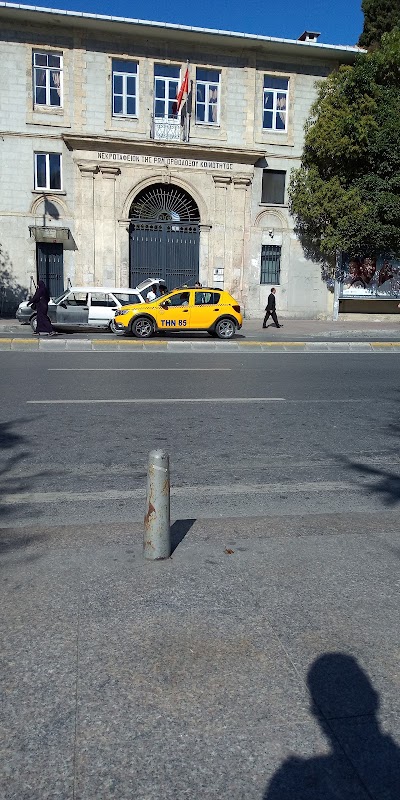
(140, 369)
(18, 498)
(161, 400)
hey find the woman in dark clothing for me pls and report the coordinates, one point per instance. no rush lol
(41, 302)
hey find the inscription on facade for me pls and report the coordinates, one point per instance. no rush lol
(160, 161)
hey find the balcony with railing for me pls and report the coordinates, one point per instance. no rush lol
(169, 130)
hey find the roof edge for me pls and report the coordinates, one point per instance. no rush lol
(334, 48)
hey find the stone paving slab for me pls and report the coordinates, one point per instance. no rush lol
(260, 660)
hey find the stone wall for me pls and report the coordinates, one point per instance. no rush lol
(97, 192)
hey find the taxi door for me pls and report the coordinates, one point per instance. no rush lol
(176, 315)
(206, 309)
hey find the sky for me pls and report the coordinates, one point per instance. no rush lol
(338, 21)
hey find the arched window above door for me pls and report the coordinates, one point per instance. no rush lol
(164, 203)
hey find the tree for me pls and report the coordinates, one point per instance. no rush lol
(380, 16)
(345, 196)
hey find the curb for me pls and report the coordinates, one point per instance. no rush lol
(157, 346)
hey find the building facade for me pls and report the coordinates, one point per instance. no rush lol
(107, 178)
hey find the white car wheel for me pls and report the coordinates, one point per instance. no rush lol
(116, 330)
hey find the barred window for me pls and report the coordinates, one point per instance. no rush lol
(270, 264)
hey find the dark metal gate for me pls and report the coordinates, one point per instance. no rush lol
(165, 250)
(50, 267)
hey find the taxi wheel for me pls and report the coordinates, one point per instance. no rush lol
(225, 328)
(33, 323)
(143, 328)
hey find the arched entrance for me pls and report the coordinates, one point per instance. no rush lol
(164, 236)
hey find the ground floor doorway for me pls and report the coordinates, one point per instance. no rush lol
(164, 236)
(50, 266)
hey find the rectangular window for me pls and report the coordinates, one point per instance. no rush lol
(47, 79)
(127, 299)
(102, 300)
(270, 264)
(207, 96)
(275, 109)
(166, 83)
(124, 83)
(206, 298)
(273, 187)
(47, 171)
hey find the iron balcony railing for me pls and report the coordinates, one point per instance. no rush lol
(168, 130)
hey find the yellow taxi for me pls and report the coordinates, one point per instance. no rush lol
(211, 310)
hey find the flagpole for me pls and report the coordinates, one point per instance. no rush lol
(188, 113)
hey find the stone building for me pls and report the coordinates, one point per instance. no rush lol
(104, 180)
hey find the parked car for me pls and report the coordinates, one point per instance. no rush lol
(211, 310)
(87, 306)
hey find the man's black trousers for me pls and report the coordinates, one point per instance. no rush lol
(273, 315)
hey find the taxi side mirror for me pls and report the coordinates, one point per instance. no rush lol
(164, 304)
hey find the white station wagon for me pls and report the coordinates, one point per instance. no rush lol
(87, 306)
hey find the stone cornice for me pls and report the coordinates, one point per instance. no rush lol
(184, 150)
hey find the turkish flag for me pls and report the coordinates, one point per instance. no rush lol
(184, 89)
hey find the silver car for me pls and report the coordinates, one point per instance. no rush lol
(87, 306)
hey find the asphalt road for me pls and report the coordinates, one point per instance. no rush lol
(248, 435)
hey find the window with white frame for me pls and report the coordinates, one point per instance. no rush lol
(166, 83)
(48, 171)
(275, 108)
(124, 84)
(47, 79)
(207, 96)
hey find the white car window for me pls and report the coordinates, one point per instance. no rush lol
(102, 299)
(127, 299)
(61, 297)
(77, 299)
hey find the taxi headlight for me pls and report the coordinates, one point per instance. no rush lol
(121, 311)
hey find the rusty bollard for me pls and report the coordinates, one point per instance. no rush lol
(157, 534)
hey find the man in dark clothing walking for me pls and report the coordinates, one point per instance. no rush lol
(271, 310)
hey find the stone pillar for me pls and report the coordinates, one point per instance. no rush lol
(221, 249)
(240, 236)
(123, 245)
(106, 227)
(85, 226)
(205, 270)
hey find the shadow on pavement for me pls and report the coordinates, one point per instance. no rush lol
(13, 481)
(364, 762)
(179, 529)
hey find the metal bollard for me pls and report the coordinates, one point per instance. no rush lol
(157, 534)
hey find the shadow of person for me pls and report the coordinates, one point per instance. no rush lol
(364, 762)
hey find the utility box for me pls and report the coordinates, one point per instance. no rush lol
(218, 279)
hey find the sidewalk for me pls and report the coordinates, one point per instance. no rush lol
(297, 328)
(366, 332)
(188, 678)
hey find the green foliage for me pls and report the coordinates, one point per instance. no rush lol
(380, 16)
(346, 194)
